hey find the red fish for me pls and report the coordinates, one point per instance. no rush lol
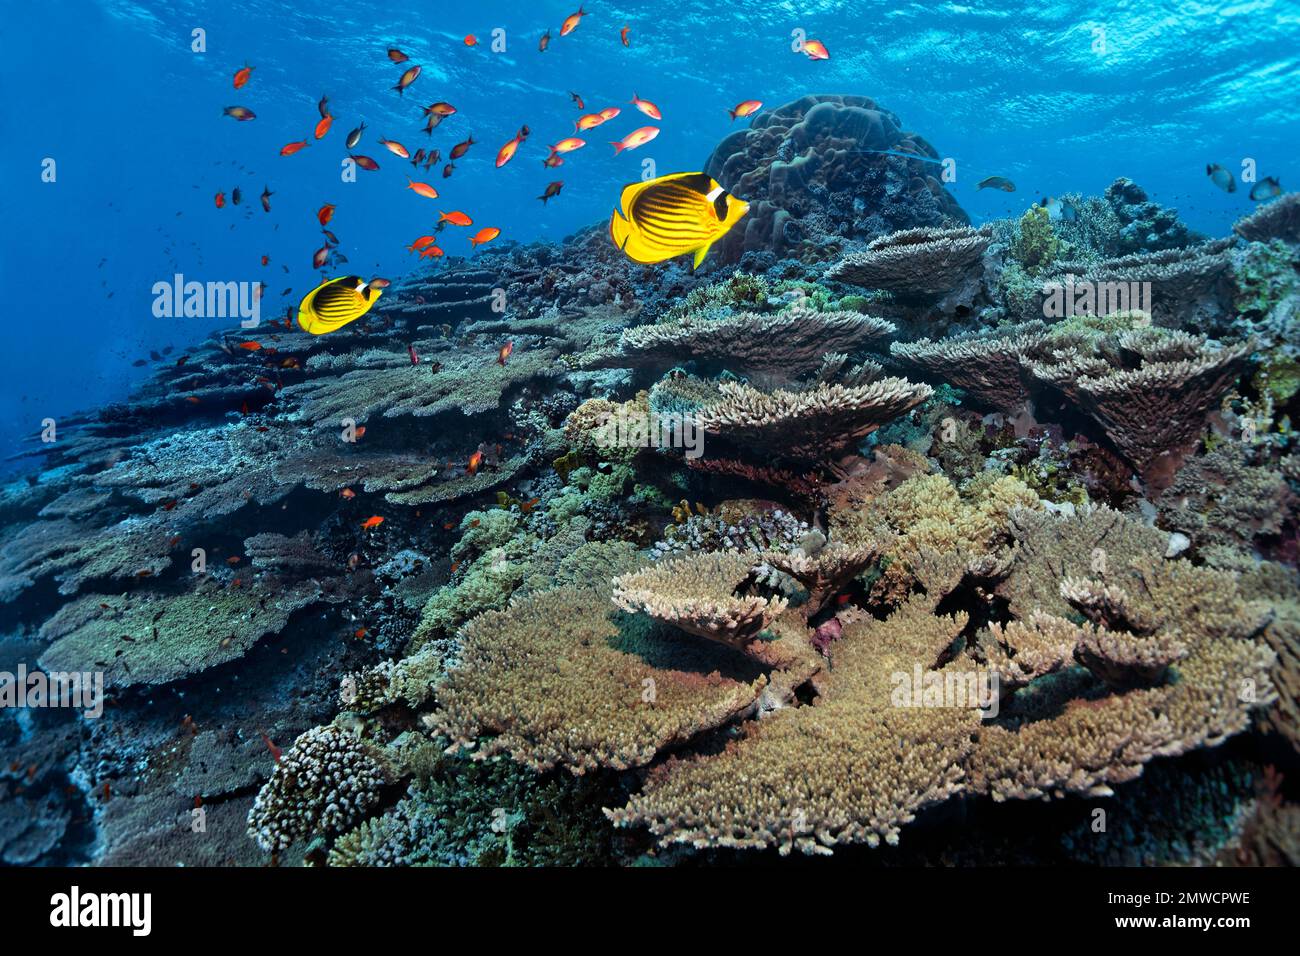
(646, 107)
(471, 40)
(505, 352)
(571, 22)
(396, 55)
(325, 213)
(456, 218)
(242, 76)
(638, 137)
(374, 521)
(220, 200)
(275, 751)
(290, 148)
(816, 50)
(622, 35)
(421, 243)
(476, 459)
(507, 152)
(323, 126)
(746, 108)
(486, 234)
(365, 162)
(421, 189)
(431, 252)
(415, 356)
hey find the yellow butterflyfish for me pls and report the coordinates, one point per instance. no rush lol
(336, 302)
(672, 215)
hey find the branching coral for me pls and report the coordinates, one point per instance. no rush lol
(1149, 389)
(915, 263)
(985, 364)
(1279, 219)
(785, 344)
(815, 425)
(324, 783)
(556, 681)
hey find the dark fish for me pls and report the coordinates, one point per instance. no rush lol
(396, 55)
(577, 100)
(407, 79)
(552, 189)
(241, 113)
(997, 182)
(266, 198)
(354, 137)
(236, 195)
(1266, 188)
(544, 42)
(446, 170)
(365, 162)
(460, 149)
(324, 106)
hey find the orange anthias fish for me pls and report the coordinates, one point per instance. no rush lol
(486, 234)
(275, 751)
(325, 213)
(421, 189)
(421, 243)
(577, 101)
(476, 459)
(544, 42)
(431, 252)
(407, 79)
(553, 160)
(471, 40)
(571, 22)
(440, 109)
(609, 112)
(816, 50)
(460, 149)
(242, 76)
(747, 108)
(347, 493)
(220, 200)
(590, 121)
(505, 352)
(638, 137)
(365, 162)
(456, 218)
(646, 107)
(290, 148)
(507, 152)
(241, 113)
(251, 346)
(396, 148)
(320, 257)
(374, 521)
(568, 145)
(323, 126)
(396, 55)
(622, 35)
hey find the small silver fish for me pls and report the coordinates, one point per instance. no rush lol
(1221, 177)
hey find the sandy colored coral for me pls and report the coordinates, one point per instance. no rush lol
(915, 263)
(985, 364)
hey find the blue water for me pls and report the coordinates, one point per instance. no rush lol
(133, 118)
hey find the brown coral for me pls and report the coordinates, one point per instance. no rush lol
(985, 364)
(915, 264)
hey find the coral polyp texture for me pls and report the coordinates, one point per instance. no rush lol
(877, 526)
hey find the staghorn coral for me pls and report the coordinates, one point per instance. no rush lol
(1150, 390)
(815, 425)
(324, 783)
(555, 681)
(985, 364)
(915, 264)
